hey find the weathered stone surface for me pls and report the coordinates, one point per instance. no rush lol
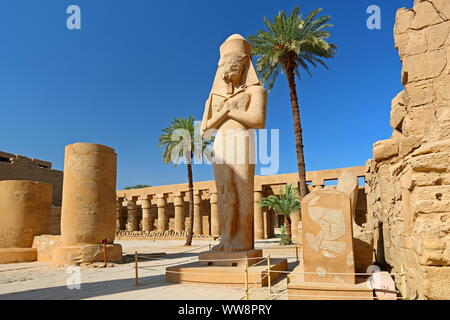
(414, 222)
(385, 149)
(425, 65)
(84, 253)
(362, 247)
(433, 146)
(430, 206)
(403, 20)
(398, 113)
(426, 178)
(426, 15)
(89, 205)
(437, 162)
(398, 110)
(447, 70)
(16, 255)
(442, 90)
(430, 224)
(45, 245)
(89, 196)
(441, 132)
(440, 193)
(443, 8)
(348, 183)
(25, 209)
(418, 120)
(436, 280)
(417, 43)
(408, 144)
(327, 237)
(420, 93)
(437, 35)
(401, 43)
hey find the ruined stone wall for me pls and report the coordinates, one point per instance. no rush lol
(54, 227)
(408, 179)
(15, 167)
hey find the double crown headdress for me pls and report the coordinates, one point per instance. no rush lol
(236, 44)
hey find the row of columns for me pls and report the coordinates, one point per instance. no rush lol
(263, 221)
(129, 222)
(147, 219)
(198, 220)
(258, 216)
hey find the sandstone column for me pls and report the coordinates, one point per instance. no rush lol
(206, 224)
(163, 219)
(198, 221)
(132, 224)
(88, 205)
(215, 225)
(295, 219)
(123, 215)
(25, 208)
(147, 221)
(118, 214)
(258, 216)
(265, 223)
(178, 203)
(269, 227)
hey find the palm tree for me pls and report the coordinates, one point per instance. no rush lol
(286, 204)
(289, 44)
(179, 140)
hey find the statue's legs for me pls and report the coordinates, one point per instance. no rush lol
(234, 182)
(227, 203)
(243, 239)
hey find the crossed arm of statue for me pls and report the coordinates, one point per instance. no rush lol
(252, 118)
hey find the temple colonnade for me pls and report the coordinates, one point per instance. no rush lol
(165, 208)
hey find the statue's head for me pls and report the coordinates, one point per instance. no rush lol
(231, 67)
(234, 56)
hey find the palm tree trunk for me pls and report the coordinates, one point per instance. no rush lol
(287, 223)
(298, 131)
(190, 232)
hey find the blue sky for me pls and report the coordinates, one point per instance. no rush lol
(135, 65)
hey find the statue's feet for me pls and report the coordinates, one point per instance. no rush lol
(236, 244)
(221, 246)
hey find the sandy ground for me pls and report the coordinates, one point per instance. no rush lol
(40, 281)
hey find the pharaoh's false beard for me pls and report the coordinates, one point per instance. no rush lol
(228, 78)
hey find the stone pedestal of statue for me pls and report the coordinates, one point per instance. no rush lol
(228, 269)
(231, 259)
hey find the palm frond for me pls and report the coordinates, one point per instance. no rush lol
(287, 203)
(181, 141)
(292, 40)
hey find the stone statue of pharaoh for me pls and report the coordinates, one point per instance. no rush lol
(236, 106)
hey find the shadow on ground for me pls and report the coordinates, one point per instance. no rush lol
(88, 290)
(142, 257)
